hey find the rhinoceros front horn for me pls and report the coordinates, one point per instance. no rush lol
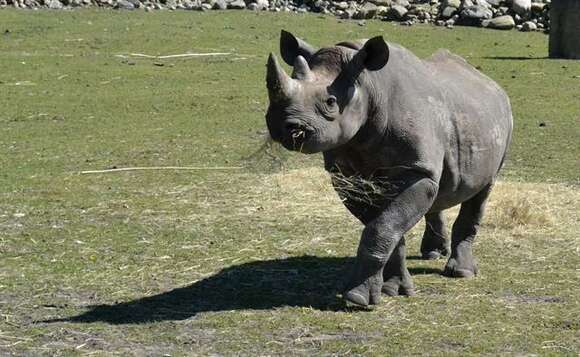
(280, 85)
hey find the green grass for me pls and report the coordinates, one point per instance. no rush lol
(246, 261)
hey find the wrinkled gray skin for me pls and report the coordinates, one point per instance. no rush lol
(432, 133)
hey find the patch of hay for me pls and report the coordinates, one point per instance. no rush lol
(512, 205)
(536, 205)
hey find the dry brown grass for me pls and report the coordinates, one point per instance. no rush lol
(513, 206)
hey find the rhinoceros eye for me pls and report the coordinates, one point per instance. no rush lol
(331, 101)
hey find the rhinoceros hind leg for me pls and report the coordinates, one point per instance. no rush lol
(461, 264)
(435, 243)
(397, 280)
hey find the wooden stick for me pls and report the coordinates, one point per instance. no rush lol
(176, 56)
(191, 168)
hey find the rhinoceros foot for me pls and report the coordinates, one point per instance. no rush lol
(434, 254)
(461, 264)
(365, 284)
(434, 244)
(395, 287)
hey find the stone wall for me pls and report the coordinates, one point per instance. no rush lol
(525, 15)
(565, 29)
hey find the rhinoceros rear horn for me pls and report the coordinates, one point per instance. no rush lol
(302, 69)
(280, 85)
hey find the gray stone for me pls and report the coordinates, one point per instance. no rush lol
(448, 12)
(476, 12)
(522, 7)
(396, 12)
(124, 5)
(404, 3)
(529, 26)
(343, 5)
(319, 5)
(382, 2)
(237, 5)
(367, 11)
(53, 4)
(348, 13)
(505, 22)
(219, 5)
(452, 3)
(382, 10)
(262, 4)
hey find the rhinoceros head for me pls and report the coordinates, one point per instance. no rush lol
(325, 101)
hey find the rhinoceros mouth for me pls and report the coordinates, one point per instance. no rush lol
(298, 134)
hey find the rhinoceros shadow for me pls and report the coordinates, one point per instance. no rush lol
(305, 281)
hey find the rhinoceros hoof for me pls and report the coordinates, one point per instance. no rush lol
(395, 288)
(433, 255)
(367, 293)
(455, 270)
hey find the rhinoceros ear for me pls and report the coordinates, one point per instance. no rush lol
(375, 54)
(292, 47)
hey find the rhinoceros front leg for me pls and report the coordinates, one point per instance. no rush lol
(382, 236)
(435, 243)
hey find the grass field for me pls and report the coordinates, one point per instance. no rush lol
(246, 261)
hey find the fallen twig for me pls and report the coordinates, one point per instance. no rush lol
(176, 56)
(191, 168)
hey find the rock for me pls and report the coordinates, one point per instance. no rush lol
(124, 5)
(263, 4)
(473, 15)
(396, 12)
(382, 2)
(367, 11)
(522, 7)
(404, 3)
(237, 5)
(382, 10)
(538, 7)
(448, 12)
(343, 5)
(53, 4)
(219, 5)
(505, 22)
(348, 13)
(319, 6)
(529, 26)
(451, 3)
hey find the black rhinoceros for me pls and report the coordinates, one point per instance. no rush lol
(432, 133)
